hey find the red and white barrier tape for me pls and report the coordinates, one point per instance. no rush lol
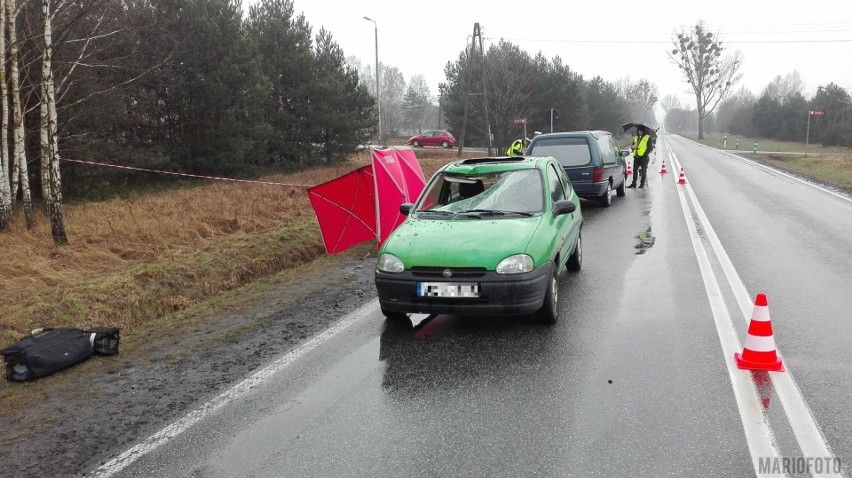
(216, 178)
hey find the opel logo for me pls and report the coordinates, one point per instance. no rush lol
(448, 273)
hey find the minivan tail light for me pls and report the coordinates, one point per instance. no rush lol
(598, 174)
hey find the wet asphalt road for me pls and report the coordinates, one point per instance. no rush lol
(631, 382)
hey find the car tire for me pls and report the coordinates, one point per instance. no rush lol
(606, 197)
(622, 190)
(549, 311)
(394, 316)
(416, 144)
(575, 262)
(445, 144)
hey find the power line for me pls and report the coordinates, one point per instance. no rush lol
(668, 42)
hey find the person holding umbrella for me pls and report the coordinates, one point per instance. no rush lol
(641, 150)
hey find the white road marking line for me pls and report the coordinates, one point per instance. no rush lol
(238, 391)
(805, 427)
(758, 431)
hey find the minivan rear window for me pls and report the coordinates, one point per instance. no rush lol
(568, 151)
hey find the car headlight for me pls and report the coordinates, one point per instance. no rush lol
(390, 263)
(517, 264)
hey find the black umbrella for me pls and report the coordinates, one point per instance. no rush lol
(635, 124)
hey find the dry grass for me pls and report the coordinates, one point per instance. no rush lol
(136, 259)
(831, 165)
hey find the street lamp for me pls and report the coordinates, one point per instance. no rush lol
(378, 100)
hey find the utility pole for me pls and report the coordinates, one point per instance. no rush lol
(475, 54)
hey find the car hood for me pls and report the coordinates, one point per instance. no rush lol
(460, 242)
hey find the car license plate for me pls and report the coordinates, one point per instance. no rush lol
(447, 289)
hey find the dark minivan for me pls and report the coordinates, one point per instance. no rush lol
(592, 160)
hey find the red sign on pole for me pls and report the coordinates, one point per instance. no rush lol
(519, 121)
(817, 112)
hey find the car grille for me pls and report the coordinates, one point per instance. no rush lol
(458, 272)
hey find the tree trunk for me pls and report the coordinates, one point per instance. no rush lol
(49, 139)
(700, 107)
(5, 188)
(19, 154)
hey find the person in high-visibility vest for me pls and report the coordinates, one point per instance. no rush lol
(517, 147)
(641, 149)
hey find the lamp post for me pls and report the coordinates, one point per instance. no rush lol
(378, 97)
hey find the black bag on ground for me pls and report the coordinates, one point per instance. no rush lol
(104, 340)
(45, 352)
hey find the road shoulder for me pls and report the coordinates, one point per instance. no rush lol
(66, 424)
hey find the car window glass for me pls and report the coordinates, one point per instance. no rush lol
(519, 191)
(556, 192)
(566, 183)
(607, 153)
(568, 151)
(616, 148)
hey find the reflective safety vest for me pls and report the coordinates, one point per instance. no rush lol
(516, 149)
(640, 145)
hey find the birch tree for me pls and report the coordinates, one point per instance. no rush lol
(19, 155)
(5, 187)
(49, 137)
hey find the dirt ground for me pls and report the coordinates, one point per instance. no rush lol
(71, 422)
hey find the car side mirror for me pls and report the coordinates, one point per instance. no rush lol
(405, 208)
(563, 207)
(624, 153)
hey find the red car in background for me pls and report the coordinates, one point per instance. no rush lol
(440, 138)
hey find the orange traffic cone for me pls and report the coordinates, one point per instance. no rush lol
(629, 168)
(663, 171)
(682, 179)
(759, 349)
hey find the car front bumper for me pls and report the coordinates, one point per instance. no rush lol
(514, 294)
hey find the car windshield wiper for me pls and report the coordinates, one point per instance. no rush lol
(436, 211)
(495, 212)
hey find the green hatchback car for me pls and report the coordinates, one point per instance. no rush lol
(487, 236)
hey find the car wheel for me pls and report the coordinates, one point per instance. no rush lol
(549, 312)
(575, 262)
(606, 198)
(394, 316)
(445, 144)
(416, 144)
(621, 190)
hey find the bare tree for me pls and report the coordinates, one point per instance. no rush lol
(670, 102)
(19, 155)
(49, 137)
(417, 104)
(392, 91)
(5, 188)
(699, 56)
(784, 87)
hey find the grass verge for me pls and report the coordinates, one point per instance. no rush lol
(144, 257)
(827, 165)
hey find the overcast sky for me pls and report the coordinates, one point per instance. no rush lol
(613, 39)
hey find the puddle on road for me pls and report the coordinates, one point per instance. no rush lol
(645, 241)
